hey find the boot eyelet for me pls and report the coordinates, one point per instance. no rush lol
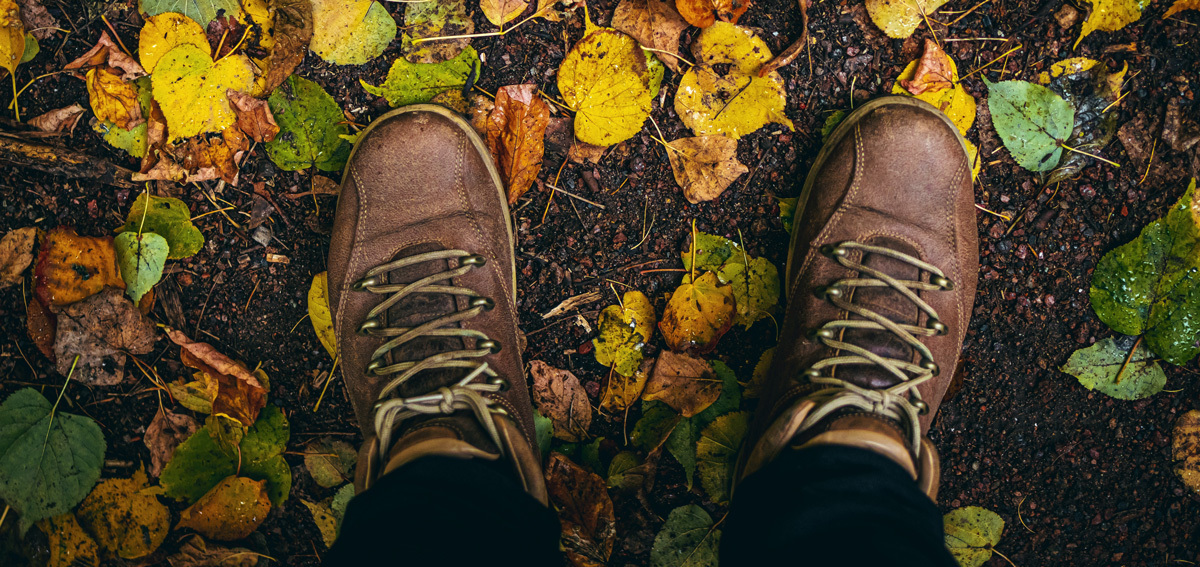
(821, 333)
(472, 260)
(812, 373)
(484, 302)
(938, 327)
(833, 250)
(491, 345)
(922, 407)
(367, 325)
(931, 366)
(373, 368)
(365, 283)
(827, 291)
(504, 385)
(943, 283)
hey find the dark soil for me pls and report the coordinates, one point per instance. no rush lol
(1080, 479)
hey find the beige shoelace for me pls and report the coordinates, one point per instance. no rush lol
(466, 393)
(901, 402)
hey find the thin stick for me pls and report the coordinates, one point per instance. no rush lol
(675, 55)
(989, 211)
(1149, 163)
(50, 425)
(570, 194)
(967, 13)
(116, 36)
(989, 63)
(1128, 358)
(1079, 151)
(327, 381)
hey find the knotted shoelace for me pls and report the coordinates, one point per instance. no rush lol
(901, 402)
(467, 393)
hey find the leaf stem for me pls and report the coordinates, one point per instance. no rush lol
(693, 252)
(484, 34)
(50, 425)
(327, 381)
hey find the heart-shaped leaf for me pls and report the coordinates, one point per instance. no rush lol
(168, 218)
(191, 89)
(141, 258)
(625, 330)
(1032, 121)
(698, 314)
(605, 80)
(311, 126)
(350, 32)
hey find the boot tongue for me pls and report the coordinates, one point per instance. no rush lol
(892, 305)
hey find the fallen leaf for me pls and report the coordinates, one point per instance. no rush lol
(125, 517)
(1094, 91)
(254, 116)
(1111, 15)
(330, 461)
(62, 120)
(292, 32)
(199, 463)
(624, 332)
(1032, 121)
(41, 325)
(310, 124)
(655, 24)
(933, 71)
(935, 75)
(604, 80)
(165, 432)
(723, 93)
(698, 314)
(710, 253)
(1151, 285)
(415, 83)
(203, 11)
(69, 545)
(206, 157)
(759, 376)
(166, 217)
(621, 470)
(704, 166)
(500, 12)
(232, 510)
(717, 451)
(447, 18)
(516, 130)
(197, 395)
(900, 19)
(687, 384)
(226, 431)
(114, 99)
(350, 32)
(558, 395)
(1111, 368)
(687, 539)
(166, 31)
(1185, 449)
(340, 501)
(755, 289)
(318, 313)
(12, 36)
(703, 13)
(581, 152)
(16, 253)
(141, 258)
(37, 20)
(1181, 5)
(49, 460)
(239, 393)
(585, 510)
(971, 533)
(326, 523)
(100, 330)
(133, 140)
(621, 391)
(106, 53)
(190, 88)
(195, 552)
(71, 268)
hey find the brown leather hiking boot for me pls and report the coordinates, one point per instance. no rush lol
(881, 279)
(422, 289)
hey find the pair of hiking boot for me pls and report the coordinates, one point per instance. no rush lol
(880, 282)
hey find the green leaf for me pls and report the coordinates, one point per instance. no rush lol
(624, 331)
(544, 430)
(310, 127)
(755, 291)
(203, 11)
(687, 539)
(330, 461)
(831, 123)
(971, 533)
(621, 463)
(199, 463)
(1097, 366)
(717, 451)
(730, 400)
(1032, 121)
(169, 218)
(681, 444)
(32, 48)
(1151, 286)
(414, 83)
(787, 212)
(654, 426)
(226, 431)
(435, 19)
(350, 32)
(759, 377)
(711, 253)
(48, 461)
(340, 501)
(141, 258)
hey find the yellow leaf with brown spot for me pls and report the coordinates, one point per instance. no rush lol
(318, 313)
(900, 18)
(603, 79)
(687, 384)
(1111, 15)
(71, 268)
(12, 36)
(621, 391)
(125, 516)
(625, 330)
(232, 510)
(698, 314)
(704, 166)
(165, 32)
(69, 545)
(325, 521)
(1185, 449)
(114, 99)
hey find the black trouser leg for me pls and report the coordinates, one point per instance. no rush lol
(447, 512)
(836, 506)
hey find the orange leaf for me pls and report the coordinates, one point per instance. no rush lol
(239, 394)
(516, 130)
(653, 23)
(585, 510)
(232, 510)
(933, 73)
(703, 13)
(41, 324)
(106, 53)
(71, 268)
(253, 116)
(113, 99)
(687, 384)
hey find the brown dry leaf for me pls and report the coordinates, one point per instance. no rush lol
(106, 53)
(41, 325)
(1181, 5)
(1185, 449)
(704, 166)
(37, 20)
(71, 268)
(254, 117)
(655, 24)
(481, 108)
(232, 510)
(199, 158)
(292, 31)
(585, 510)
(239, 394)
(687, 384)
(581, 152)
(621, 391)
(698, 314)
(704, 13)
(320, 186)
(165, 432)
(559, 396)
(114, 99)
(16, 253)
(516, 130)
(195, 552)
(61, 120)
(934, 72)
(100, 330)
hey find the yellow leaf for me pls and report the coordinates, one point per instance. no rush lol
(12, 36)
(1181, 5)
(350, 32)
(318, 312)
(625, 330)
(621, 391)
(732, 100)
(955, 102)
(500, 12)
(698, 314)
(165, 32)
(325, 521)
(113, 98)
(232, 510)
(1069, 66)
(704, 166)
(191, 89)
(125, 516)
(603, 80)
(900, 18)
(1111, 15)
(69, 545)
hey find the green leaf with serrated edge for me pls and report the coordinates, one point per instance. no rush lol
(1032, 121)
(711, 253)
(340, 501)
(971, 533)
(681, 444)
(168, 218)
(544, 430)
(717, 451)
(621, 463)
(687, 539)
(435, 19)
(624, 331)
(49, 461)
(1151, 285)
(310, 127)
(199, 463)
(755, 290)
(203, 11)
(656, 423)
(759, 377)
(141, 258)
(1097, 368)
(415, 83)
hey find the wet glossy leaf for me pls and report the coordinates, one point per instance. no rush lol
(326, 523)
(624, 332)
(100, 330)
(1032, 121)
(169, 218)
(655, 24)
(704, 166)
(711, 252)
(605, 80)
(900, 19)
(516, 132)
(125, 516)
(203, 11)
(687, 539)
(239, 393)
(1089, 86)
(16, 253)
(1108, 366)
(195, 552)
(584, 508)
(225, 431)
(12, 36)
(1181, 5)
(717, 451)
(318, 313)
(350, 32)
(440, 19)
(41, 326)
(165, 432)
(971, 532)
(48, 461)
(191, 89)
(113, 99)
(1111, 15)
(1151, 286)
(69, 545)
(330, 461)
(166, 31)
(934, 79)
(703, 13)
(698, 314)
(141, 258)
(233, 509)
(310, 127)
(414, 83)
(621, 391)
(687, 384)
(558, 395)
(71, 268)
(723, 93)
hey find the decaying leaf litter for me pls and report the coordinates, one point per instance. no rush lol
(238, 286)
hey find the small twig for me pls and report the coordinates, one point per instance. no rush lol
(1128, 358)
(1091, 155)
(572, 195)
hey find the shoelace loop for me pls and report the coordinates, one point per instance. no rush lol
(468, 393)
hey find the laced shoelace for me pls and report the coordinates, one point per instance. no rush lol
(465, 394)
(901, 402)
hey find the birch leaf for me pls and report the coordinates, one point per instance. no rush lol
(350, 32)
(604, 80)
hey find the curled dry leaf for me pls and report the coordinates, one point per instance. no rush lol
(100, 330)
(254, 116)
(933, 72)
(559, 396)
(698, 314)
(655, 24)
(232, 510)
(239, 394)
(585, 510)
(581, 152)
(195, 552)
(935, 76)
(293, 30)
(685, 383)
(125, 516)
(16, 253)
(620, 392)
(1185, 449)
(165, 432)
(62, 120)
(516, 130)
(703, 13)
(704, 166)
(106, 53)
(37, 20)
(1177, 7)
